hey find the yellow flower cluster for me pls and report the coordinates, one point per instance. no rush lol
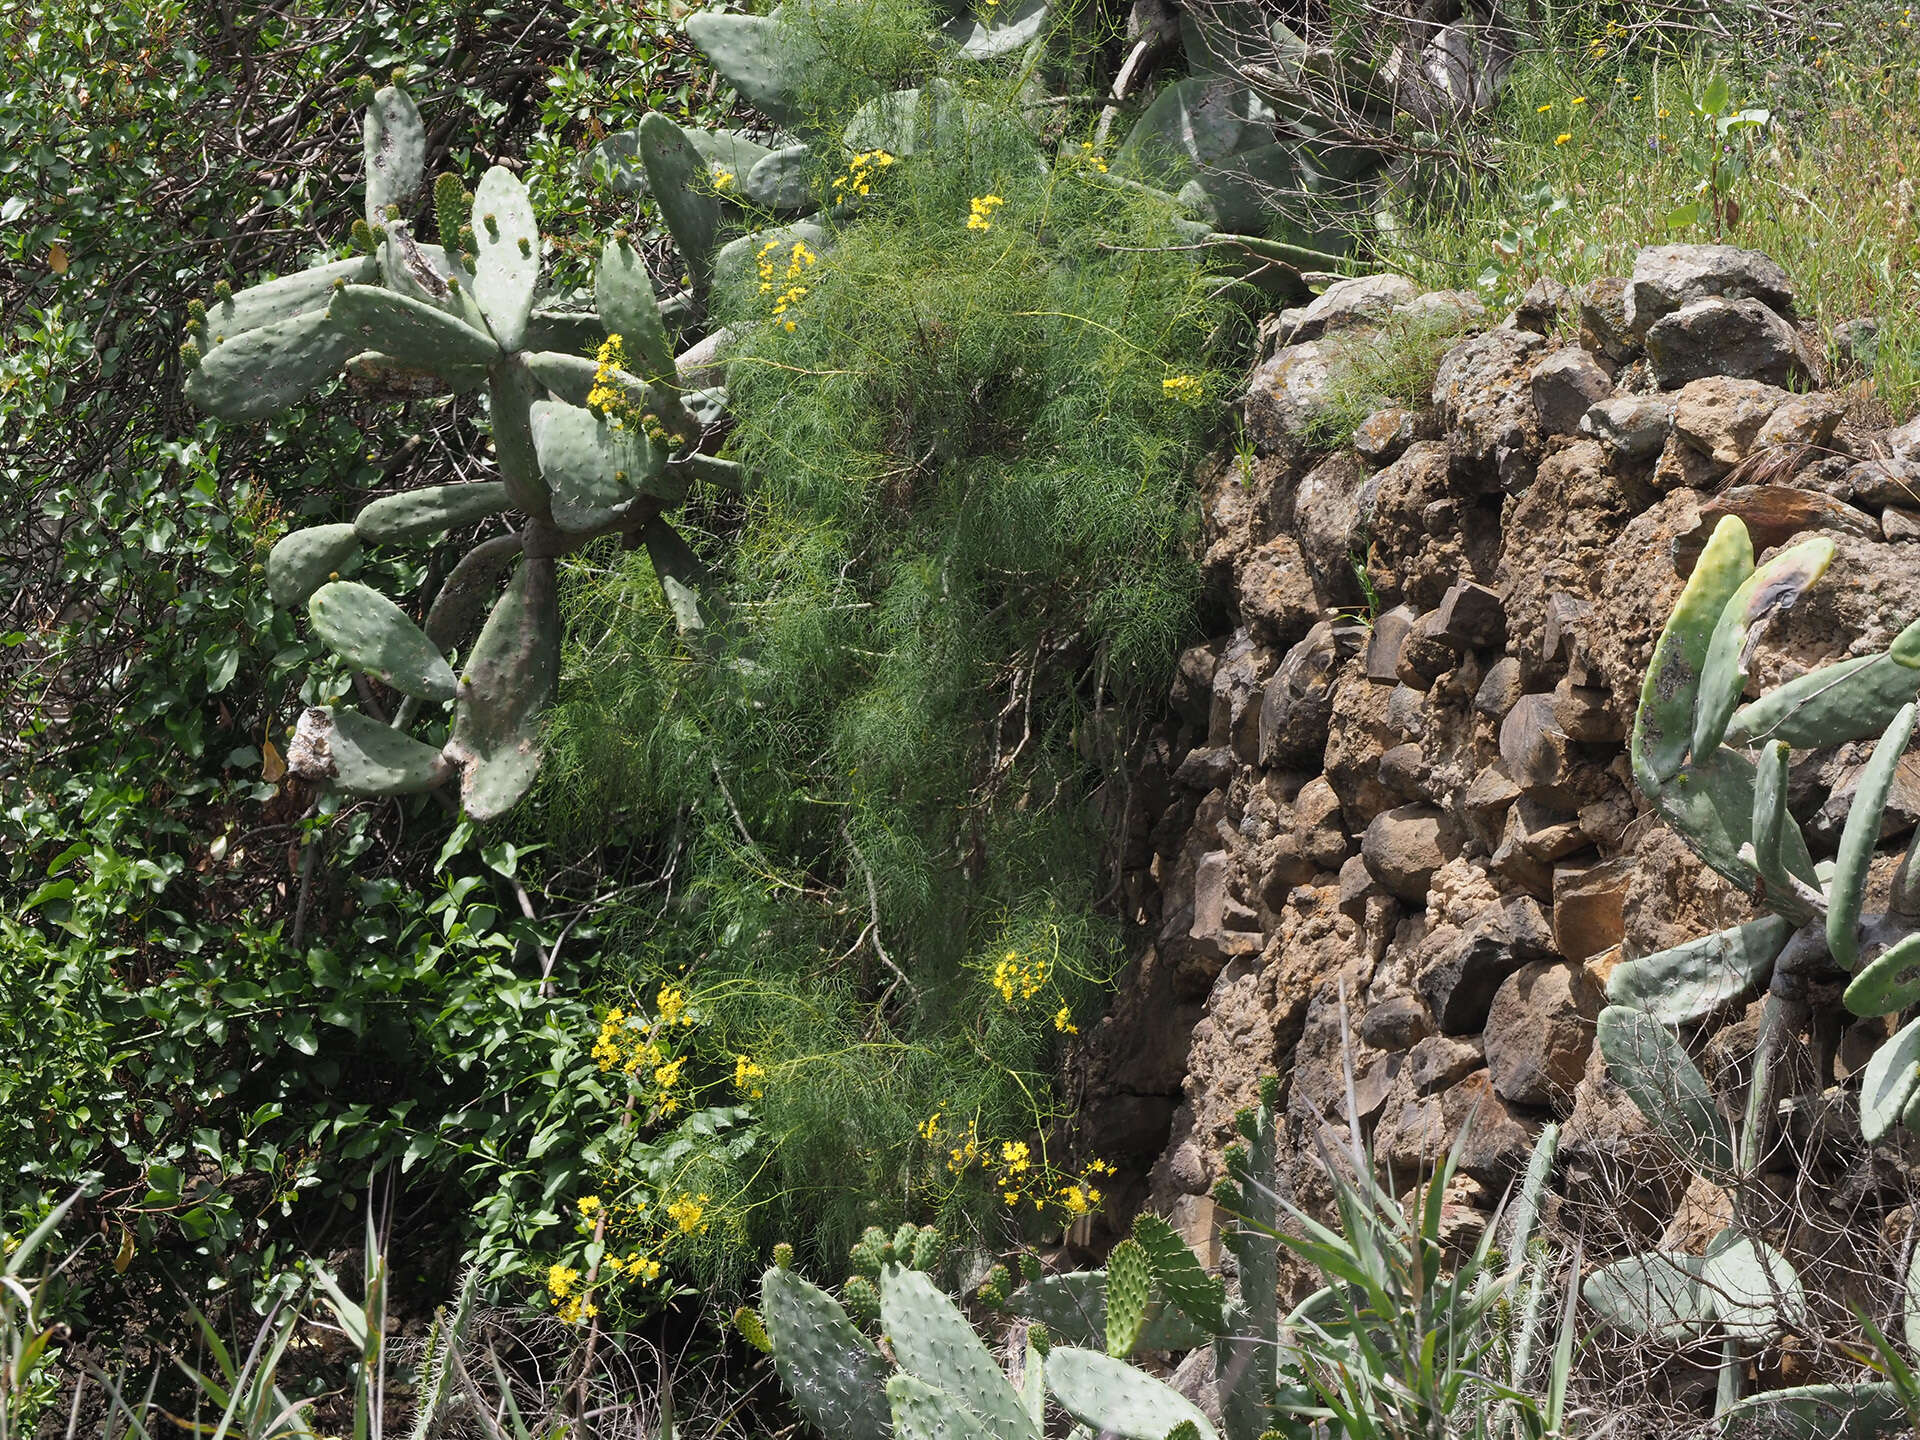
(1019, 1176)
(1021, 976)
(1187, 389)
(1063, 1022)
(798, 263)
(982, 207)
(642, 1269)
(722, 178)
(606, 399)
(748, 1077)
(1092, 158)
(860, 173)
(689, 1213)
(624, 1043)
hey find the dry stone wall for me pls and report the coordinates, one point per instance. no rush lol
(1414, 845)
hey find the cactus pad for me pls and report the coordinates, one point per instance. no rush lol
(1774, 587)
(1860, 837)
(1849, 700)
(1691, 981)
(261, 372)
(1129, 1286)
(396, 152)
(678, 177)
(1867, 1411)
(1663, 725)
(394, 519)
(414, 333)
(374, 635)
(1658, 1295)
(1753, 1290)
(832, 1372)
(934, 1342)
(290, 295)
(1110, 1395)
(360, 756)
(628, 308)
(593, 469)
(1892, 1077)
(1180, 1275)
(1647, 1062)
(503, 687)
(1888, 983)
(921, 1412)
(300, 563)
(765, 61)
(508, 262)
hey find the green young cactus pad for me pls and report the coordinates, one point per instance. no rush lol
(468, 591)
(1860, 837)
(301, 562)
(783, 180)
(728, 475)
(374, 635)
(512, 392)
(1129, 1287)
(507, 262)
(359, 755)
(504, 685)
(593, 469)
(1888, 983)
(681, 187)
(628, 308)
(935, 1343)
(1663, 726)
(569, 377)
(1657, 1295)
(1892, 1078)
(414, 333)
(1773, 587)
(1754, 1292)
(1110, 1395)
(1771, 818)
(394, 519)
(1202, 1298)
(290, 295)
(261, 372)
(1073, 1307)
(396, 151)
(1191, 124)
(1692, 981)
(1828, 705)
(1868, 1411)
(767, 62)
(1652, 1066)
(831, 1372)
(921, 1412)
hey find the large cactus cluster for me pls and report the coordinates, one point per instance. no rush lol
(937, 1378)
(585, 447)
(1717, 771)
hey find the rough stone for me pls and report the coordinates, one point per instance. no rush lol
(1539, 1031)
(1603, 319)
(1499, 688)
(1721, 416)
(1632, 426)
(1234, 716)
(1384, 641)
(1742, 338)
(1276, 593)
(1857, 341)
(1472, 616)
(1428, 528)
(1397, 1023)
(1427, 653)
(1298, 705)
(1541, 307)
(1384, 435)
(1566, 385)
(1532, 743)
(1356, 739)
(1589, 907)
(1667, 278)
(1803, 420)
(1286, 394)
(1363, 300)
(1404, 771)
(1442, 1060)
(1586, 715)
(1481, 393)
(1326, 510)
(1416, 1132)
(1899, 523)
(1773, 514)
(1462, 969)
(1404, 846)
(1206, 767)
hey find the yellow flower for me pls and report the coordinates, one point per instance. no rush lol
(687, 1212)
(1578, 100)
(668, 1075)
(747, 1076)
(560, 1281)
(1542, 109)
(1091, 159)
(982, 207)
(578, 1309)
(673, 1007)
(1187, 389)
(1064, 1023)
(1014, 1154)
(930, 1127)
(1562, 138)
(588, 1206)
(722, 179)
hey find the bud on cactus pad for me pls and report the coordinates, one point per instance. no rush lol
(861, 1298)
(926, 1248)
(903, 1240)
(1030, 1268)
(864, 1259)
(747, 1321)
(1039, 1339)
(783, 1255)
(448, 211)
(493, 225)
(196, 313)
(364, 90)
(393, 212)
(363, 240)
(996, 1287)
(190, 354)
(222, 291)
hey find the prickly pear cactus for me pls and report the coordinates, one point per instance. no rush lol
(584, 447)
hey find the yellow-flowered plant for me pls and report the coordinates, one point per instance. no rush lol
(982, 208)
(1187, 389)
(1020, 977)
(1091, 158)
(862, 170)
(1021, 1173)
(799, 261)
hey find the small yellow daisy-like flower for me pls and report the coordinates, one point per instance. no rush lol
(1542, 109)
(560, 1281)
(748, 1076)
(930, 1127)
(1578, 100)
(688, 1211)
(982, 208)
(722, 179)
(589, 1206)
(1063, 1022)
(1562, 138)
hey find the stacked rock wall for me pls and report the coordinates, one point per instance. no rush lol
(1405, 846)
